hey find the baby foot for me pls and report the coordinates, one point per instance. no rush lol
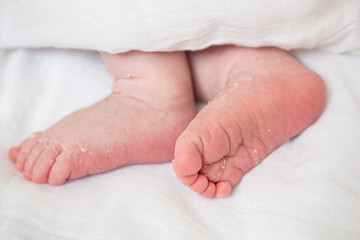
(135, 124)
(266, 98)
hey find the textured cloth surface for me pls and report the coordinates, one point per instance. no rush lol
(308, 188)
(122, 25)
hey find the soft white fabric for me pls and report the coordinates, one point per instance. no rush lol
(307, 189)
(158, 25)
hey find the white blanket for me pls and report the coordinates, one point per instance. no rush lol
(307, 189)
(158, 25)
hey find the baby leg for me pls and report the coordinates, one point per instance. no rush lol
(151, 104)
(260, 98)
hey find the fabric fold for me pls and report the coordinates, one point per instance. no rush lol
(119, 26)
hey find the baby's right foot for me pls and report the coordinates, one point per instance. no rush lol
(151, 104)
(263, 97)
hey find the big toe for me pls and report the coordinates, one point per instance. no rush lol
(13, 153)
(188, 160)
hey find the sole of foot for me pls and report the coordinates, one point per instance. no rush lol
(263, 98)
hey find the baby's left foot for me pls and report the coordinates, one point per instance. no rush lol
(139, 122)
(266, 98)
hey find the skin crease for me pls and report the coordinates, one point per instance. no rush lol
(258, 99)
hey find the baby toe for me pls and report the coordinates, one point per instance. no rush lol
(13, 153)
(200, 184)
(25, 149)
(223, 189)
(209, 191)
(61, 170)
(32, 159)
(43, 165)
(188, 180)
(188, 160)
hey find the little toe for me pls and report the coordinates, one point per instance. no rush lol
(223, 189)
(200, 184)
(61, 170)
(32, 158)
(40, 173)
(209, 191)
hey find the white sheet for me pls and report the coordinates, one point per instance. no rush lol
(307, 189)
(158, 25)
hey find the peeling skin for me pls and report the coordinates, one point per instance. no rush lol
(203, 169)
(216, 178)
(33, 135)
(130, 76)
(83, 149)
(223, 165)
(256, 156)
